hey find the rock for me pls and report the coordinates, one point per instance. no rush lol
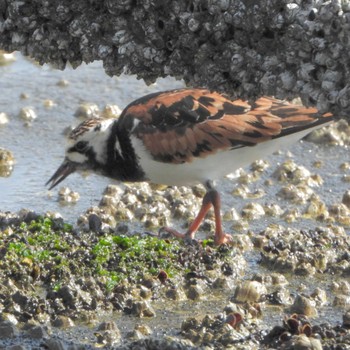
(194, 292)
(346, 319)
(302, 342)
(143, 309)
(342, 301)
(303, 306)
(107, 326)
(8, 330)
(346, 198)
(37, 332)
(95, 223)
(108, 333)
(16, 347)
(62, 322)
(249, 291)
(55, 344)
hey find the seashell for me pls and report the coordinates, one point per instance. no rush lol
(249, 292)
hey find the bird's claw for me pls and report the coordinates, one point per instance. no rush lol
(189, 237)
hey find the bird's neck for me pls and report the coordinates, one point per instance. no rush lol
(122, 163)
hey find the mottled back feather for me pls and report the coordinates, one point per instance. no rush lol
(177, 126)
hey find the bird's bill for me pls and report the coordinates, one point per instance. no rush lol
(66, 168)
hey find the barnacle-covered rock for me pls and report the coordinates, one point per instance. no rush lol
(111, 111)
(304, 306)
(249, 292)
(7, 161)
(27, 114)
(67, 196)
(244, 49)
(292, 173)
(87, 110)
(3, 118)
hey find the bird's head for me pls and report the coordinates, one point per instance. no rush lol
(86, 149)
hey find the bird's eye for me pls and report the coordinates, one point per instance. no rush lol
(81, 146)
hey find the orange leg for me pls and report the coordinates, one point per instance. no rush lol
(211, 198)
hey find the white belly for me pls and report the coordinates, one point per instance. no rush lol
(212, 167)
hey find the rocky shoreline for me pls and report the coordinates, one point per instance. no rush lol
(56, 278)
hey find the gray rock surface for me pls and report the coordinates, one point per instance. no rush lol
(243, 48)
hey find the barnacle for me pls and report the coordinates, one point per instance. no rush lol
(243, 49)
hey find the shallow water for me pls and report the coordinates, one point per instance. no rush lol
(39, 148)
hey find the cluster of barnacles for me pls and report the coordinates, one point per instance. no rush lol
(245, 49)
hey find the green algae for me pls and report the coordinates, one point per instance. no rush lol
(57, 252)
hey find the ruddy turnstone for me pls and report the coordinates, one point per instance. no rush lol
(185, 137)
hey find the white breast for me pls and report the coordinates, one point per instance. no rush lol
(212, 167)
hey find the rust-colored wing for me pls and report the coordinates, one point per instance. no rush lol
(176, 126)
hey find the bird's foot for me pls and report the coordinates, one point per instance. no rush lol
(219, 239)
(188, 236)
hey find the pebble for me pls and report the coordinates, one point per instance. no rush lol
(62, 83)
(194, 293)
(346, 198)
(346, 319)
(8, 330)
(37, 332)
(342, 301)
(143, 309)
(63, 322)
(304, 306)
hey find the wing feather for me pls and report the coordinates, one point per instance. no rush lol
(179, 125)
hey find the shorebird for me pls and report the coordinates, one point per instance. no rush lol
(186, 137)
